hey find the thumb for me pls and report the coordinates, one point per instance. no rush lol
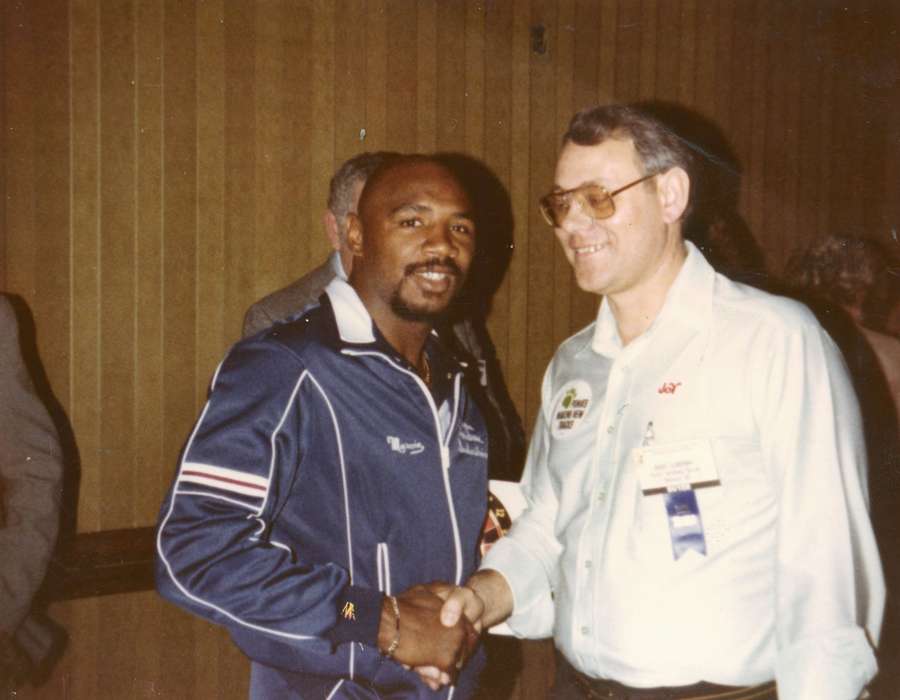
(452, 610)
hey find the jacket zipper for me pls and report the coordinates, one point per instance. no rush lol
(442, 442)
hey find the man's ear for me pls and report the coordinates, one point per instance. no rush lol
(332, 229)
(674, 189)
(354, 234)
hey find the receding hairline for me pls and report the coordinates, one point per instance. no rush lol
(621, 138)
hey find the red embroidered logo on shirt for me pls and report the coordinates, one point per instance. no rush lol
(668, 387)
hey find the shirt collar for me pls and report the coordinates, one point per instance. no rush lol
(688, 302)
(356, 326)
(354, 323)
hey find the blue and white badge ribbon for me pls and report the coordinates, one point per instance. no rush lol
(685, 524)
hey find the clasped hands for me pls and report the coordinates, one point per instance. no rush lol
(439, 628)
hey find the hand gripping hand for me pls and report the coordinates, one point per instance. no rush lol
(418, 638)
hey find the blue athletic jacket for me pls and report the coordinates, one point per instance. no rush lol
(322, 474)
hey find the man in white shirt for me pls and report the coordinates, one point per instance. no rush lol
(697, 521)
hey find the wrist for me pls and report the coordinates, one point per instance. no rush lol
(389, 627)
(491, 586)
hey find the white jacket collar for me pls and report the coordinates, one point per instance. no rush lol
(353, 320)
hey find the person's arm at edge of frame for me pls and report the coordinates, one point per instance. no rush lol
(31, 473)
(829, 586)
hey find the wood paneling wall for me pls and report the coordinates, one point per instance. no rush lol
(166, 162)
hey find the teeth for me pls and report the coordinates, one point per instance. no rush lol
(588, 249)
(433, 275)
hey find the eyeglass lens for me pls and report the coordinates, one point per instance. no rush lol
(594, 200)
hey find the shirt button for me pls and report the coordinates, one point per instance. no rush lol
(588, 564)
(610, 429)
(585, 631)
(601, 495)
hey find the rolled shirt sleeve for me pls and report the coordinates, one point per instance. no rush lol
(829, 589)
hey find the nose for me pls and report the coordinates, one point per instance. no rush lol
(441, 242)
(576, 219)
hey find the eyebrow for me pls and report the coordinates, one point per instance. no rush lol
(424, 209)
(596, 181)
(415, 208)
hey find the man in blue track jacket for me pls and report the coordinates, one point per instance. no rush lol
(339, 464)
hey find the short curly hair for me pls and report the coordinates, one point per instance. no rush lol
(840, 269)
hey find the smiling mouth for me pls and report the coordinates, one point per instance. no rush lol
(436, 271)
(435, 282)
(584, 250)
(434, 275)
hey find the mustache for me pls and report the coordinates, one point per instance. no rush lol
(447, 265)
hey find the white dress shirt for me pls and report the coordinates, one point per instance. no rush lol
(790, 586)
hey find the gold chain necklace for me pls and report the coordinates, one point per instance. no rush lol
(426, 370)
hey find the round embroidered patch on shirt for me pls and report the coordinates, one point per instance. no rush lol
(570, 407)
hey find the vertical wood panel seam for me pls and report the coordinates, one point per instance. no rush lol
(99, 227)
(5, 147)
(70, 404)
(135, 251)
(197, 222)
(162, 215)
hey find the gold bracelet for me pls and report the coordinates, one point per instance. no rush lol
(396, 641)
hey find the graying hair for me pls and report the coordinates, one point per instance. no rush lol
(353, 171)
(657, 146)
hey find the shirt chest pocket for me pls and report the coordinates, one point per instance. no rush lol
(722, 509)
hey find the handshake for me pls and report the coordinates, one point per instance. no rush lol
(434, 628)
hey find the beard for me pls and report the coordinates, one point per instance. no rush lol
(417, 315)
(423, 313)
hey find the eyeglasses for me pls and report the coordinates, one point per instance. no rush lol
(594, 199)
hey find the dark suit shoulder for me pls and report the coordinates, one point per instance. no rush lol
(9, 338)
(7, 317)
(288, 301)
(315, 327)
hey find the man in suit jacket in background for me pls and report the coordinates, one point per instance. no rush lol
(468, 336)
(343, 197)
(31, 471)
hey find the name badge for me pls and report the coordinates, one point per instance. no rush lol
(676, 470)
(676, 466)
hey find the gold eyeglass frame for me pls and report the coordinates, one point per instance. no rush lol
(546, 209)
